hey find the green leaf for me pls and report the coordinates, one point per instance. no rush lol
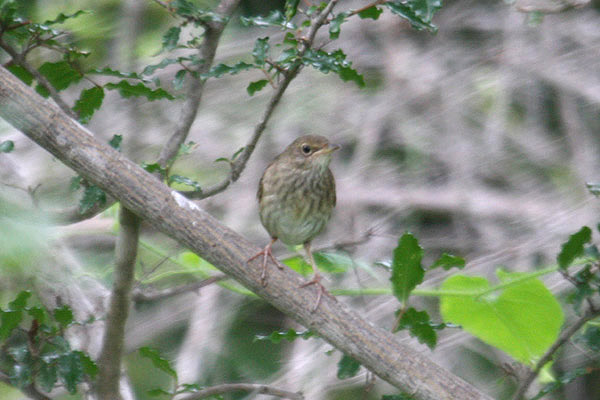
(332, 263)
(186, 8)
(7, 146)
(159, 392)
(568, 377)
(221, 69)
(291, 7)
(20, 375)
(397, 397)
(21, 73)
(348, 367)
(92, 195)
(89, 366)
(20, 302)
(47, 376)
(158, 362)
(186, 148)
(70, 371)
(60, 74)
(448, 261)
(275, 18)
(418, 12)
(111, 72)
(256, 86)
(522, 317)
(9, 320)
(154, 167)
(594, 188)
(115, 142)
(64, 315)
(590, 338)
(418, 325)
(290, 335)
(61, 18)
(407, 271)
(179, 79)
(128, 90)
(574, 247)
(336, 23)
(371, 12)
(184, 180)
(171, 38)
(37, 313)
(89, 101)
(261, 50)
(334, 61)
(189, 388)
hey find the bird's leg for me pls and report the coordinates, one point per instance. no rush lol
(316, 280)
(266, 252)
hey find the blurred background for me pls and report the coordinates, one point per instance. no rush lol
(479, 140)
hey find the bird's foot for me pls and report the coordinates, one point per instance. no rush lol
(266, 253)
(316, 280)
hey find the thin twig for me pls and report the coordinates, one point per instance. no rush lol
(142, 295)
(238, 166)
(247, 387)
(41, 79)
(563, 338)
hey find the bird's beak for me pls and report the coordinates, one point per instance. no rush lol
(330, 148)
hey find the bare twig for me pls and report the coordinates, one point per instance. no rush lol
(238, 166)
(109, 360)
(29, 390)
(141, 295)
(19, 59)
(550, 7)
(549, 354)
(247, 387)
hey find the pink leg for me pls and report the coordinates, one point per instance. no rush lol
(316, 280)
(266, 253)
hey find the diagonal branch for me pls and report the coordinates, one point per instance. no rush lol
(171, 213)
(549, 355)
(140, 295)
(255, 388)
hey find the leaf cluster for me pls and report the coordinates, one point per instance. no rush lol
(34, 351)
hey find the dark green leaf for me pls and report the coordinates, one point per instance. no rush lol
(186, 8)
(594, 188)
(371, 12)
(347, 367)
(127, 90)
(221, 69)
(70, 371)
(348, 74)
(75, 183)
(63, 17)
(21, 73)
(574, 247)
(186, 148)
(179, 79)
(63, 315)
(261, 50)
(290, 335)
(20, 375)
(92, 195)
(418, 12)
(256, 86)
(150, 69)
(275, 18)
(20, 353)
(336, 23)
(89, 101)
(111, 72)
(20, 302)
(37, 313)
(189, 388)
(159, 362)
(60, 74)
(115, 142)
(47, 376)
(397, 397)
(419, 326)
(334, 61)
(7, 146)
(591, 338)
(291, 7)
(407, 271)
(171, 38)
(448, 261)
(154, 167)
(159, 392)
(89, 366)
(9, 320)
(184, 180)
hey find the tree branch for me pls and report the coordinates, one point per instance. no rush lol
(255, 388)
(142, 295)
(238, 166)
(549, 354)
(109, 360)
(29, 390)
(171, 213)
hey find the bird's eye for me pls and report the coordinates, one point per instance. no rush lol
(306, 149)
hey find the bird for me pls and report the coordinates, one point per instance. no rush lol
(296, 196)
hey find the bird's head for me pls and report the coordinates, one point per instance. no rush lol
(311, 151)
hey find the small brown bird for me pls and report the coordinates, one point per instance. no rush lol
(296, 195)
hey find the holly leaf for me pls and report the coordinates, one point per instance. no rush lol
(171, 38)
(92, 195)
(348, 367)
(115, 142)
(21, 73)
(64, 315)
(574, 247)
(418, 12)
(140, 90)
(70, 371)
(158, 362)
(371, 12)
(60, 74)
(407, 271)
(419, 325)
(256, 86)
(89, 101)
(260, 51)
(7, 146)
(274, 18)
(448, 261)
(336, 23)
(221, 69)
(290, 335)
